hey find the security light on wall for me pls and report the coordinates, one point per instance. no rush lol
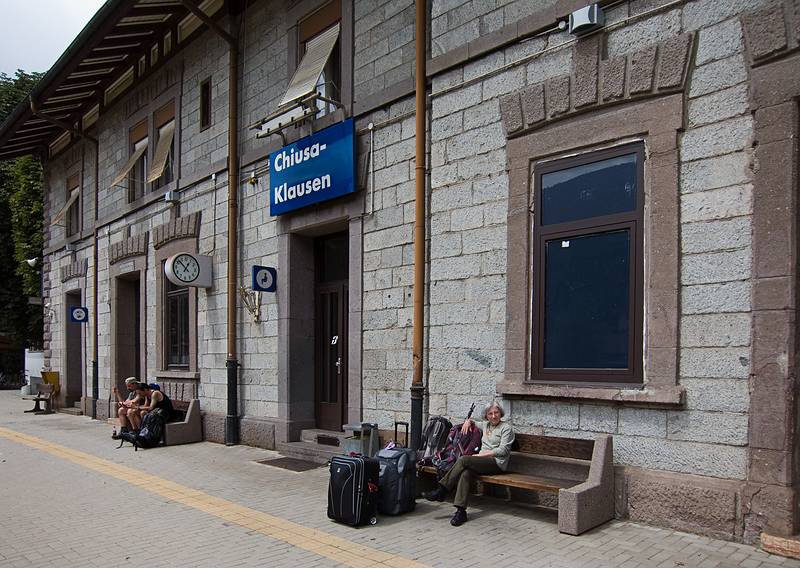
(586, 19)
(32, 262)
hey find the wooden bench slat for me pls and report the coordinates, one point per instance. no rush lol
(531, 482)
(553, 446)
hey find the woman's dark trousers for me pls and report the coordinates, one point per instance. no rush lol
(462, 474)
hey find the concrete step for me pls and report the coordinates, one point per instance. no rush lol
(308, 451)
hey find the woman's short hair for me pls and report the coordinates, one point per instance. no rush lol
(131, 381)
(493, 404)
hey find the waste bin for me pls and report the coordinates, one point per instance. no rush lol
(364, 439)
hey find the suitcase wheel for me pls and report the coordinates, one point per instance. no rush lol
(373, 521)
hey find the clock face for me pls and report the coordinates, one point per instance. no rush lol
(185, 268)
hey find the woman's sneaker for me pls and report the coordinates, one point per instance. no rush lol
(437, 494)
(459, 518)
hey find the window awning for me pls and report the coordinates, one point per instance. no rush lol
(139, 149)
(165, 135)
(304, 80)
(73, 196)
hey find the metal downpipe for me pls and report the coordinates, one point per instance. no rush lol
(417, 385)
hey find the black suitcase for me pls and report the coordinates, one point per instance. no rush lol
(353, 490)
(398, 478)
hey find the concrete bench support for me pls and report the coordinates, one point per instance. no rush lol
(591, 503)
(187, 431)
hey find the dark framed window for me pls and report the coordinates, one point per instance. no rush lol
(73, 215)
(205, 104)
(176, 325)
(137, 178)
(588, 268)
(329, 84)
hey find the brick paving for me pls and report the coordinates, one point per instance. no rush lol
(72, 499)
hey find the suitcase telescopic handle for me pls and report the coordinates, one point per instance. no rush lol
(396, 424)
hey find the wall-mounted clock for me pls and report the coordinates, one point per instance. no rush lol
(189, 269)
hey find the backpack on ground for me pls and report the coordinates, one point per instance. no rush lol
(434, 438)
(150, 434)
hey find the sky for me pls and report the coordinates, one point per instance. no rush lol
(34, 33)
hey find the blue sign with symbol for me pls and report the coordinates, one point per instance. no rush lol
(78, 315)
(265, 279)
(314, 169)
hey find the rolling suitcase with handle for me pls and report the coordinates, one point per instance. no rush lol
(353, 490)
(398, 478)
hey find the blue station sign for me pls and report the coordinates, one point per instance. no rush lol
(314, 169)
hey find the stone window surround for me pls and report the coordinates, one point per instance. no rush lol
(148, 112)
(74, 171)
(656, 122)
(79, 288)
(631, 220)
(161, 254)
(131, 265)
(297, 13)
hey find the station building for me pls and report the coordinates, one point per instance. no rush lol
(610, 217)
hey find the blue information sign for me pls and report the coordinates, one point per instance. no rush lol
(265, 278)
(79, 315)
(314, 169)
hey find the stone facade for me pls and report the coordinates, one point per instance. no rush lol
(696, 448)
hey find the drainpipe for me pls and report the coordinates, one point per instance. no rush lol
(417, 386)
(231, 363)
(95, 332)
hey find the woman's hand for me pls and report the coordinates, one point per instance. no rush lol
(466, 426)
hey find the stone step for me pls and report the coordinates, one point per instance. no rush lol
(784, 546)
(308, 451)
(312, 434)
(70, 410)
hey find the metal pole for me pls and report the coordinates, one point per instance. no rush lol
(232, 362)
(417, 386)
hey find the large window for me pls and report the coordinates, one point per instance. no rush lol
(587, 268)
(176, 325)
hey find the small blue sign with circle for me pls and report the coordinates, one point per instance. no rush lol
(265, 279)
(79, 315)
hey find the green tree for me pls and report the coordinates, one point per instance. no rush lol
(20, 233)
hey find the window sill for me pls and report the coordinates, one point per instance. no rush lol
(190, 375)
(649, 394)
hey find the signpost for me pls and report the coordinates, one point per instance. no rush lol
(79, 315)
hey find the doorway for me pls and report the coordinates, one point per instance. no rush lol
(330, 336)
(127, 330)
(73, 347)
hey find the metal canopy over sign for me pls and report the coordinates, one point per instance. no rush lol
(264, 278)
(79, 315)
(314, 169)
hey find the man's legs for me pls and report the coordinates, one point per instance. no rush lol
(133, 418)
(122, 414)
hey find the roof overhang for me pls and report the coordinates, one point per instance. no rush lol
(124, 42)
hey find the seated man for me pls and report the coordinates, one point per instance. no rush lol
(125, 407)
(154, 399)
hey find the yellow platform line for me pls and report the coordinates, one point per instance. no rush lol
(313, 540)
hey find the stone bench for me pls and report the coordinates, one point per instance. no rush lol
(187, 426)
(580, 472)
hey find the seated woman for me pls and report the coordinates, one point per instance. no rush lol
(493, 458)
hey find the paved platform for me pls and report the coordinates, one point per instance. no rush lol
(69, 498)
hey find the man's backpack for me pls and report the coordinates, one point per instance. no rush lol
(434, 438)
(150, 433)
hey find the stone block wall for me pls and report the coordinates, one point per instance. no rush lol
(383, 51)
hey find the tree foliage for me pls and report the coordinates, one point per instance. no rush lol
(20, 228)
